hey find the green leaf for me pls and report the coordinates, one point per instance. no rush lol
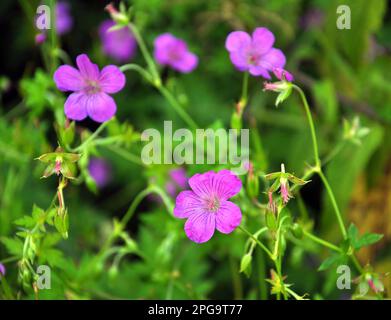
(368, 239)
(26, 221)
(14, 246)
(330, 261)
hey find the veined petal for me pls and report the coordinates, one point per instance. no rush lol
(237, 40)
(223, 184)
(226, 184)
(228, 217)
(274, 58)
(88, 70)
(187, 203)
(75, 106)
(111, 79)
(68, 78)
(263, 40)
(100, 107)
(200, 227)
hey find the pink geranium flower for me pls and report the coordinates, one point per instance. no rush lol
(254, 53)
(206, 205)
(2, 270)
(91, 89)
(173, 52)
(118, 44)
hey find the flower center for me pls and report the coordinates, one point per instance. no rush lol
(253, 58)
(92, 86)
(212, 204)
(174, 55)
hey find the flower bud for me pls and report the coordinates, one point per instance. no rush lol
(245, 264)
(297, 231)
(119, 17)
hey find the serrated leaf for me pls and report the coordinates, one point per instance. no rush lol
(329, 262)
(26, 221)
(14, 246)
(367, 239)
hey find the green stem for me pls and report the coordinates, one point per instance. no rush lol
(135, 67)
(236, 282)
(9, 259)
(91, 137)
(154, 77)
(357, 264)
(244, 98)
(130, 212)
(144, 51)
(311, 124)
(177, 107)
(321, 241)
(334, 204)
(262, 274)
(257, 241)
(125, 154)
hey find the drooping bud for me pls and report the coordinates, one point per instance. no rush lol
(120, 17)
(284, 186)
(252, 181)
(283, 87)
(283, 75)
(271, 205)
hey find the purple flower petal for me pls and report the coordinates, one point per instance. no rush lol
(100, 107)
(68, 78)
(2, 270)
(228, 217)
(200, 227)
(111, 79)
(173, 52)
(263, 40)
(274, 58)
(100, 171)
(88, 70)
(200, 184)
(162, 46)
(187, 203)
(119, 44)
(187, 64)
(237, 40)
(239, 60)
(75, 106)
(64, 19)
(259, 71)
(179, 177)
(282, 74)
(224, 184)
